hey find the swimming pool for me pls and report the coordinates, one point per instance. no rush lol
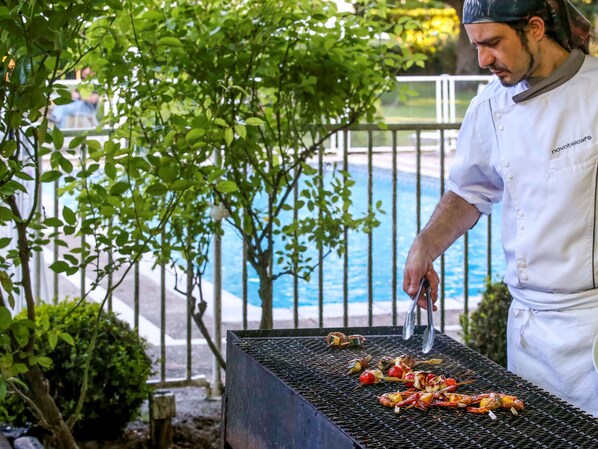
(382, 250)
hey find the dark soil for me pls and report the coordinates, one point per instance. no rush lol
(188, 432)
(196, 425)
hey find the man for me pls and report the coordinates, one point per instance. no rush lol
(82, 112)
(529, 140)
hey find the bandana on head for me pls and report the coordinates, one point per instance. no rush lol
(572, 29)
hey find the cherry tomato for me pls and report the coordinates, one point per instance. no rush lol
(409, 376)
(450, 382)
(429, 378)
(395, 371)
(367, 378)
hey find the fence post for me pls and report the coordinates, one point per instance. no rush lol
(162, 408)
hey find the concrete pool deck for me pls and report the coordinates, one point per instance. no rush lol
(406, 160)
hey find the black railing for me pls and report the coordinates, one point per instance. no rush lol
(421, 152)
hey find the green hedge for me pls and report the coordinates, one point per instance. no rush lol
(485, 329)
(118, 374)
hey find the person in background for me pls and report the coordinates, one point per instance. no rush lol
(81, 112)
(529, 140)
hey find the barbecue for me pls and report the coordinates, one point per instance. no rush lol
(289, 389)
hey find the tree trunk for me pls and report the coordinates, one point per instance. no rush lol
(37, 383)
(467, 58)
(54, 422)
(265, 292)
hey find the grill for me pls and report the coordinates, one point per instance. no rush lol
(287, 389)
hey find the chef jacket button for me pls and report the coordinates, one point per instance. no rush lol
(500, 127)
(498, 115)
(524, 276)
(516, 313)
(520, 213)
(505, 164)
(509, 176)
(522, 227)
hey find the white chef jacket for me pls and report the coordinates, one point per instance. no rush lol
(540, 158)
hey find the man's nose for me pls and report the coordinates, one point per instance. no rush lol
(485, 58)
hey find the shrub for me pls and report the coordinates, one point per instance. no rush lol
(485, 329)
(118, 372)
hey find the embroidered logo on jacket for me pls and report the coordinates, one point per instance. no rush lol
(571, 144)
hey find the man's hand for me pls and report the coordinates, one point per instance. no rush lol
(418, 265)
(451, 218)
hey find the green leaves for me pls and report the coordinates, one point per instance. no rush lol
(5, 319)
(241, 131)
(227, 108)
(254, 121)
(59, 266)
(6, 214)
(168, 173)
(53, 336)
(57, 138)
(485, 330)
(157, 189)
(228, 136)
(44, 362)
(3, 389)
(169, 41)
(50, 176)
(119, 188)
(69, 216)
(226, 187)
(194, 134)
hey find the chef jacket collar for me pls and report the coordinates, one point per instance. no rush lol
(561, 75)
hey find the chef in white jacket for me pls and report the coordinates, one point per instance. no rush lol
(530, 140)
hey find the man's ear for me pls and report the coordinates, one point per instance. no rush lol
(536, 26)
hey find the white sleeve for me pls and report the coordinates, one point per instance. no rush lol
(474, 175)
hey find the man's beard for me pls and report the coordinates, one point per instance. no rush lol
(530, 67)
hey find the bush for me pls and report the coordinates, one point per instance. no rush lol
(118, 371)
(485, 330)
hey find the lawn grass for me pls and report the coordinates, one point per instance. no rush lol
(416, 101)
(412, 102)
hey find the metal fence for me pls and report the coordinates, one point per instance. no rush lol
(420, 152)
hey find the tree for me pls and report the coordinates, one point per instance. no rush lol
(40, 42)
(36, 45)
(588, 8)
(435, 37)
(251, 91)
(467, 57)
(224, 105)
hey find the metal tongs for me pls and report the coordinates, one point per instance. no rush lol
(409, 325)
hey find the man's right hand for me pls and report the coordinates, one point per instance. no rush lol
(451, 218)
(419, 264)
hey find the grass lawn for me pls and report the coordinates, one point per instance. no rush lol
(416, 101)
(413, 102)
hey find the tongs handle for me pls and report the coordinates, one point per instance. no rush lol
(429, 333)
(409, 325)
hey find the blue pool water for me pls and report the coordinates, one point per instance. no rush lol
(382, 251)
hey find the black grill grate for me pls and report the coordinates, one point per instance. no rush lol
(301, 359)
